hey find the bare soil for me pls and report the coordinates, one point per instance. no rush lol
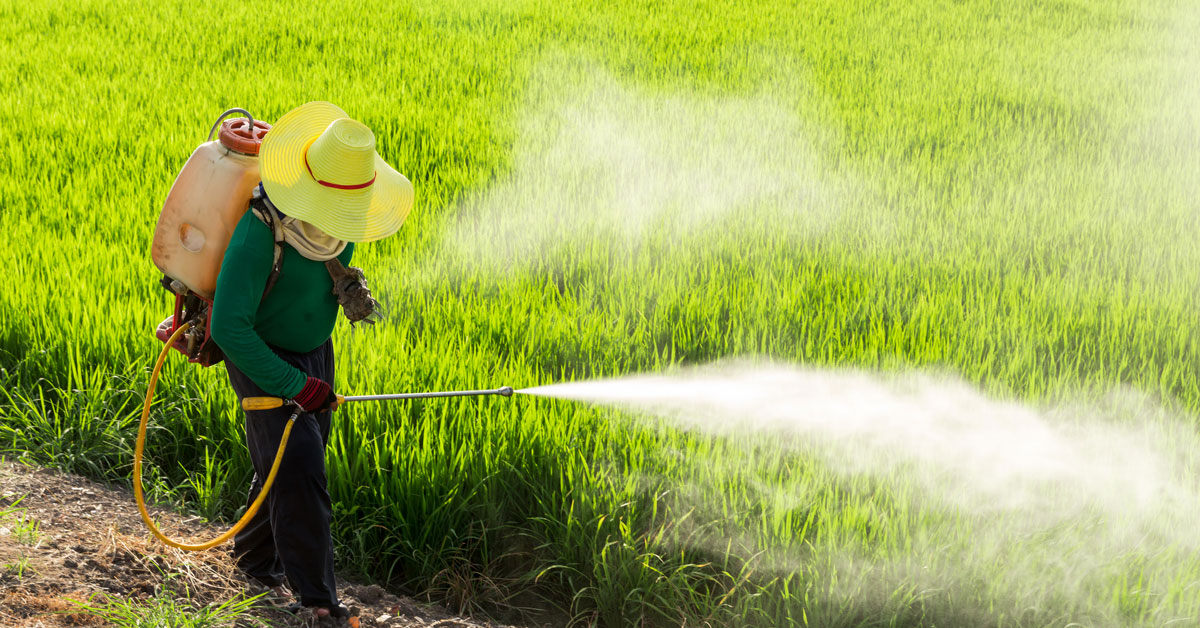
(90, 544)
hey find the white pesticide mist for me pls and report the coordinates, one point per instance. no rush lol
(974, 452)
(605, 172)
(1055, 501)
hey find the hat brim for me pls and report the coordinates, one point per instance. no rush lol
(362, 215)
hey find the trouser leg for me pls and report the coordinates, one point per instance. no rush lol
(297, 512)
(301, 513)
(254, 546)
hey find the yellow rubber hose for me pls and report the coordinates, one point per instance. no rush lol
(137, 464)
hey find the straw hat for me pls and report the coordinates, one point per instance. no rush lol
(320, 166)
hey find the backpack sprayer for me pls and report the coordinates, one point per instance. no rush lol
(209, 197)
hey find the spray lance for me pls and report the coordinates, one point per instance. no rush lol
(251, 404)
(209, 196)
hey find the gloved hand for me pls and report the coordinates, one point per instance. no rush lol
(315, 396)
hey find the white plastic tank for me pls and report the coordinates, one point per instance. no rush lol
(205, 203)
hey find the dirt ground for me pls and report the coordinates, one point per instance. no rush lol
(90, 542)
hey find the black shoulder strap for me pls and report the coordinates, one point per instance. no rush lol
(267, 214)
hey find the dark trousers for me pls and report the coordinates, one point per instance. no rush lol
(290, 534)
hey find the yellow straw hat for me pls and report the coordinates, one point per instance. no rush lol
(320, 166)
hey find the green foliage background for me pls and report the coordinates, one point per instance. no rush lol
(1026, 220)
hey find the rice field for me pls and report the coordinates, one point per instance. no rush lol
(1006, 193)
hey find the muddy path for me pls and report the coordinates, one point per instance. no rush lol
(64, 538)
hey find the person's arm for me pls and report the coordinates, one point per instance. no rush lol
(240, 285)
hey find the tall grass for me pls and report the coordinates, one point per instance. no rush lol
(1012, 186)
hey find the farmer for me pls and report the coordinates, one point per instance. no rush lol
(323, 189)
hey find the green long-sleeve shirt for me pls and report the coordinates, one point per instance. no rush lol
(298, 315)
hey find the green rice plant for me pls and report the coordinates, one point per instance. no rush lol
(208, 484)
(19, 568)
(166, 609)
(1002, 192)
(171, 605)
(13, 508)
(23, 528)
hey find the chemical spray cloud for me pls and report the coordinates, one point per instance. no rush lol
(1042, 506)
(971, 452)
(610, 169)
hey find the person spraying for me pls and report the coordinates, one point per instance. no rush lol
(284, 273)
(256, 259)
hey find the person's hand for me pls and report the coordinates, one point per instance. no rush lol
(315, 396)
